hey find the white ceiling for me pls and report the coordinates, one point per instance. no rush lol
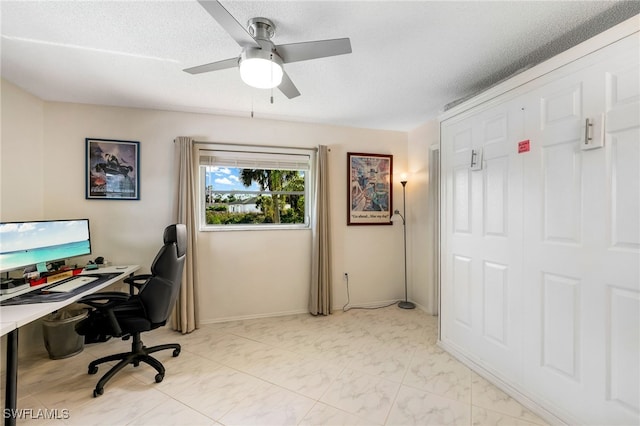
(410, 58)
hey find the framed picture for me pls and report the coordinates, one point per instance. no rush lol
(369, 189)
(112, 169)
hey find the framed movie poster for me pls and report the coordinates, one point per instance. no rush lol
(112, 169)
(369, 189)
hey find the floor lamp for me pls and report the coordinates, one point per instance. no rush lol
(405, 304)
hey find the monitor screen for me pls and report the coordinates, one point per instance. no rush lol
(24, 244)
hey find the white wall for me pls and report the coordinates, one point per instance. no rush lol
(421, 223)
(241, 273)
(21, 171)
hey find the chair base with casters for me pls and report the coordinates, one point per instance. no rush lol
(139, 353)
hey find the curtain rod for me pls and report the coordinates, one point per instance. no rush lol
(253, 145)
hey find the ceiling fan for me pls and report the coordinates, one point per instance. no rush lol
(261, 61)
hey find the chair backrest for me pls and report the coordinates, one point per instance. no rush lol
(159, 293)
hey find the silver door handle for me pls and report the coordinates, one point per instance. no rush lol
(587, 132)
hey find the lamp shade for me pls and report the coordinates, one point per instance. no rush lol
(260, 69)
(397, 216)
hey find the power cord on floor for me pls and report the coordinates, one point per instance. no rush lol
(345, 309)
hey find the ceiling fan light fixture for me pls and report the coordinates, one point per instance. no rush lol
(260, 69)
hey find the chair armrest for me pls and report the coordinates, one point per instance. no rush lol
(136, 281)
(105, 302)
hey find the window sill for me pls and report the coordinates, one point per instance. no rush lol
(227, 228)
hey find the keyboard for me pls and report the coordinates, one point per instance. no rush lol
(71, 284)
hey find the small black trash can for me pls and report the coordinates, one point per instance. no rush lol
(59, 333)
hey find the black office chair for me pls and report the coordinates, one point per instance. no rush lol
(127, 315)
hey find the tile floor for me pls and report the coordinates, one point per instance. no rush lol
(361, 367)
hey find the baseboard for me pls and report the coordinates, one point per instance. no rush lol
(527, 401)
(423, 309)
(255, 316)
(370, 305)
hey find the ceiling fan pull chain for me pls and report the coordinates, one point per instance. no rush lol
(271, 69)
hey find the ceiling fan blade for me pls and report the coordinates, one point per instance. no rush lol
(287, 87)
(213, 66)
(295, 52)
(229, 23)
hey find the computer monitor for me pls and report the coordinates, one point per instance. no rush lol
(23, 244)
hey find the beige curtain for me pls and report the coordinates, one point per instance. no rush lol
(320, 297)
(185, 314)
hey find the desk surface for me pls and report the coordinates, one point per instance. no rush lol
(6, 327)
(15, 316)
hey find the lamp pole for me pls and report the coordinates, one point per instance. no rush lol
(405, 304)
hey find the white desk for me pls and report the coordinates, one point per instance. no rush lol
(7, 327)
(13, 317)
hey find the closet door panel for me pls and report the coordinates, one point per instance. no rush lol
(495, 298)
(496, 199)
(623, 350)
(482, 253)
(500, 255)
(554, 236)
(581, 232)
(554, 275)
(619, 254)
(457, 243)
(560, 342)
(624, 204)
(561, 188)
(623, 134)
(462, 208)
(462, 291)
(612, 257)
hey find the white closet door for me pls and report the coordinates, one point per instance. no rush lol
(483, 256)
(616, 261)
(581, 213)
(457, 241)
(498, 267)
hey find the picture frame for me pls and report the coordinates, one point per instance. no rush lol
(369, 189)
(112, 169)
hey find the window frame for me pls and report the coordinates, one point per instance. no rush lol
(207, 149)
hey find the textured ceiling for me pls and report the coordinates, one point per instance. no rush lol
(409, 58)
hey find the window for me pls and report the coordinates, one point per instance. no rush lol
(244, 187)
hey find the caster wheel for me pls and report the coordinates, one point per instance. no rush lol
(97, 392)
(93, 370)
(176, 352)
(159, 377)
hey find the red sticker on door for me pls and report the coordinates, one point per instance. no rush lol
(523, 146)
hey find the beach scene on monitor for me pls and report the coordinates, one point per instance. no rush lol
(30, 243)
